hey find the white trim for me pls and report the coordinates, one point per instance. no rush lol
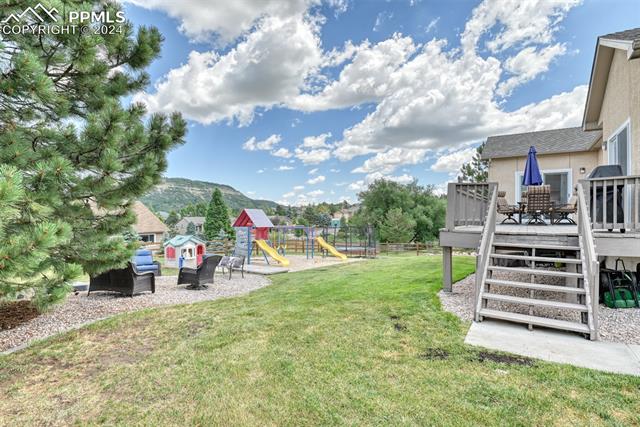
(625, 124)
(519, 174)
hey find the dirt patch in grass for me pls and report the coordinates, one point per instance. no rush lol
(434, 354)
(399, 327)
(484, 356)
(13, 314)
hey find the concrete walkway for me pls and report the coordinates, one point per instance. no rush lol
(556, 346)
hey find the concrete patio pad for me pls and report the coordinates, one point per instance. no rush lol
(556, 346)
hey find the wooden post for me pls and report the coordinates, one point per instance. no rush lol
(447, 274)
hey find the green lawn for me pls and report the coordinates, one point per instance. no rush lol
(364, 343)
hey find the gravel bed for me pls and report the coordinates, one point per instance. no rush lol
(615, 325)
(80, 309)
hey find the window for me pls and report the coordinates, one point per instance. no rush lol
(558, 180)
(618, 149)
(148, 238)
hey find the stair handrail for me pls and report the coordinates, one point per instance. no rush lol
(590, 262)
(484, 251)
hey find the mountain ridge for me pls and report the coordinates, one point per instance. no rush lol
(176, 193)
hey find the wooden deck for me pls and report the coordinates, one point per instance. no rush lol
(607, 243)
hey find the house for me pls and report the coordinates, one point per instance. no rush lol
(565, 156)
(345, 213)
(148, 226)
(183, 224)
(607, 210)
(184, 251)
(280, 220)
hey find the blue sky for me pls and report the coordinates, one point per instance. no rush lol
(301, 101)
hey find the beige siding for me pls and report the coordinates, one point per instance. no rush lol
(621, 103)
(503, 171)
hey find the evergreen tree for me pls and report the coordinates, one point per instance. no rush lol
(477, 170)
(191, 229)
(216, 221)
(397, 226)
(73, 158)
(172, 219)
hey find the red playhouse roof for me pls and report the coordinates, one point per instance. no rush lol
(253, 217)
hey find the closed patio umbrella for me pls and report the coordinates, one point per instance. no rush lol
(532, 174)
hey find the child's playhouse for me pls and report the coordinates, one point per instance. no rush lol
(184, 251)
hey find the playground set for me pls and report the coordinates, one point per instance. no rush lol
(254, 227)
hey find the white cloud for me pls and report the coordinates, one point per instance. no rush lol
(317, 180)
(527, 64)
(284, 168)
(363, 184)
(387, 161)
(453, 161)
(204, 20)
(313, 171)
(522, 22)
(282, 152)
(312, 157)
(267, 144)
(315, 193)
(333, 170)
(365, 79)
(260, 171)
(298, 188)
(257, 73)
(432, 25)
(319, 141)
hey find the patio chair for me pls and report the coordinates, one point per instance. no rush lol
(231, 262)
(538, 203)
(197, 277)
(143, 261)
(504, 208)
(569, 209)
(127, 281)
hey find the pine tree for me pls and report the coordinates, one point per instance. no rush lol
(216, 221)
(73, 158)
(191, 229)
(477, 170)
(172, 219)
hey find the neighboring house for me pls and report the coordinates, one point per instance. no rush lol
(610, 132)
(148, 226)
(345, 213)
(280, 220)
(198, 221)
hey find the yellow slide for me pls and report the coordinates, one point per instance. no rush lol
(333, 251)
(262, 244)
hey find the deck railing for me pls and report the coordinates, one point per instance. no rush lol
(486, 243)
(467, 203)
(613, 203)
(591, 268)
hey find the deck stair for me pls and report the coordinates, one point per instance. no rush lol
(535, 283)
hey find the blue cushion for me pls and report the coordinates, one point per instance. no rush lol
(151, 267)
(141, 252)
(139, 260)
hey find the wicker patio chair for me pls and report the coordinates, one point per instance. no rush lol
(504, 208)
(569, 209)
(196, 278)
(127, 281)
(538, 203)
